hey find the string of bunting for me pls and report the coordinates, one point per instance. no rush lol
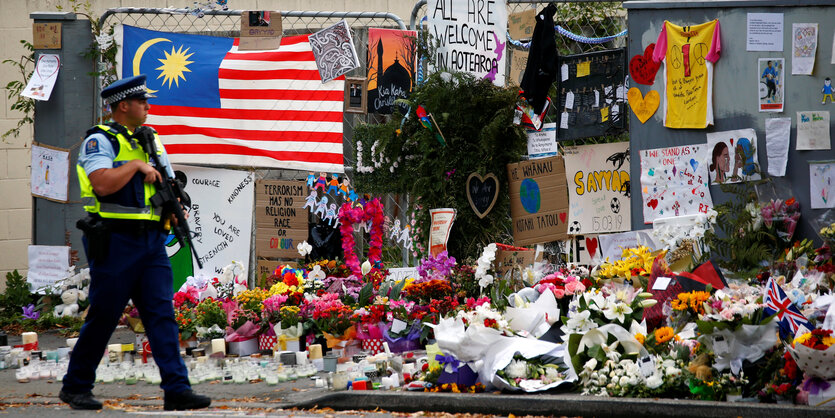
(571, 35)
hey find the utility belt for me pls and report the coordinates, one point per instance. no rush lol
(98, 230)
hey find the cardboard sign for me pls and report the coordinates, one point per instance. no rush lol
(538, 200)
(599, 188)
(50, 172)
(471, 36)
(47, 264)
(260, 30)
(482, 192)
(280, 218)
(518, 63)
(46, 35)
(583, 249)
(520, 25)
(508, 257)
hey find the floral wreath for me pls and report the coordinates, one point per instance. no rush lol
(348, 216)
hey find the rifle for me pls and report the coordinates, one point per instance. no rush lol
(170, 194)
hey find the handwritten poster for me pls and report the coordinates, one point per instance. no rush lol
(520, 25)
(765, 32)
(598, 188)
(220, 218)
(50, 172)
(280, 217)
(518, 63)
(583, 249)
(771, 84)
(391, 69)
(592, 94)
(813, 130)
(471, 36)
(612, 245)
(47, 264)
(43, 80)
(538, 200)
(821, 186)
(674, 182)
(732, 156)
(804, 46)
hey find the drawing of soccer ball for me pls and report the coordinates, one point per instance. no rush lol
(574, 228)
(615, 205)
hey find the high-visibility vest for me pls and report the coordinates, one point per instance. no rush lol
(133, 201)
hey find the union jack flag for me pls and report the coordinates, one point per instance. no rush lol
(777, 302)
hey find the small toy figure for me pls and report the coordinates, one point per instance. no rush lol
(310, 201)
(311, 179)
(322, 181)
(827, 90)
(333, 185)
(406, 237)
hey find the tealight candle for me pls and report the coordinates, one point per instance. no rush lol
(219, 346)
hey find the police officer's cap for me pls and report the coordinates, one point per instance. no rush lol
(126, 88)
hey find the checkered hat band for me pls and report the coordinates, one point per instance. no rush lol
(113, 98)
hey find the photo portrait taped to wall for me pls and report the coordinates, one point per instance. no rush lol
(124, 239)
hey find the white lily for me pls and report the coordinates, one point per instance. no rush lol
(366, 267)
(617, 311)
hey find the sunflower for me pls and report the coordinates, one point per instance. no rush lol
(663, 334)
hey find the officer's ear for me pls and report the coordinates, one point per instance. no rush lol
(121, 105)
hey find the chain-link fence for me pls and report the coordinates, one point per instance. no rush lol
(227, 23)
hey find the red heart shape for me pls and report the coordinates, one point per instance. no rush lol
(642, 68)
(562, 217)
(732, 142)
(653, 203)
(591, 245)
(694, 191)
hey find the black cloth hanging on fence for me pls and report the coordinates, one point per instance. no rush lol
(541, 69)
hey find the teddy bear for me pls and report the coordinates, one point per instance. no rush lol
(70, 298)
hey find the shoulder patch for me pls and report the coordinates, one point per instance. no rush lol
(92, 146)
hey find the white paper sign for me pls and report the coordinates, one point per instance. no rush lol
(47, 264)
(441, 225)
(472, 37)
(674, 182)
(765, 32)
(220, 218)
(777, 133)
(804, 46)
(583, 249)
(50, 172)
(813, 130)
(661, 283)
(399, 273)
(821, 184)
(43, 79)
(543, 143)
(612, 245)
(732, 156)
(598, 178)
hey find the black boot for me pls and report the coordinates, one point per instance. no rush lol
(186, 400)
(80, 400)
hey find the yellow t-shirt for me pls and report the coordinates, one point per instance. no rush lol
(688, 53)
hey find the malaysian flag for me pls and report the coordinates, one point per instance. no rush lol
(216, 105)
(789, 317)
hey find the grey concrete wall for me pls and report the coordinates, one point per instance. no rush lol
(735, 88)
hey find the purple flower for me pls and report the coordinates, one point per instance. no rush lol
(450, 173)
(29, 312)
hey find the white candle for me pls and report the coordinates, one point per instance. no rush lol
(29, 337)
(219, 346)
(315, 351)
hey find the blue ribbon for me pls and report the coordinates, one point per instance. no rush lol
(570, 35)
(448, 360)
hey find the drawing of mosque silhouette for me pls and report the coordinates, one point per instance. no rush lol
(392, 84)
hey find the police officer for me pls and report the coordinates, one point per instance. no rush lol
(124, 241)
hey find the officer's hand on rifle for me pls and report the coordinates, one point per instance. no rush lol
(151, 173)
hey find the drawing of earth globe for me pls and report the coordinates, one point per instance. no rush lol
(529, 195)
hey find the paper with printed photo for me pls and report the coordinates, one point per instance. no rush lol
(771, 92)
(804, 47)
(821, 186)
(43, 79)
(674, 182)
(812, 130)
(732, 156)
(777, 132)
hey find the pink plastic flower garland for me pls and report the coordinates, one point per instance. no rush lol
(348, 216)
